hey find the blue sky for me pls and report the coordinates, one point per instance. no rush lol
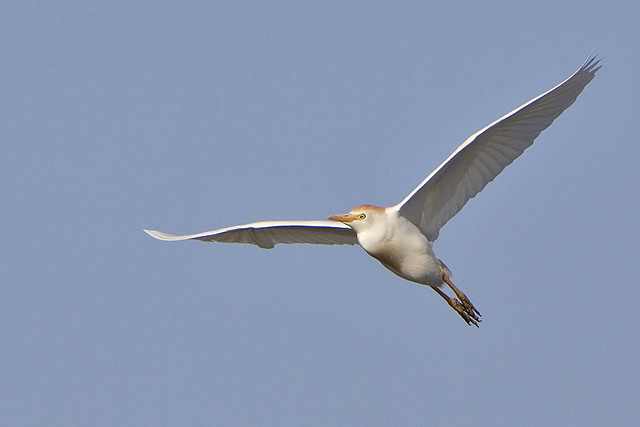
(190, 116)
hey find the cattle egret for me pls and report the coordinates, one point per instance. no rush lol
(401, 236)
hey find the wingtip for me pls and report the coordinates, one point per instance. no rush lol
(159, 235)
(591, 64)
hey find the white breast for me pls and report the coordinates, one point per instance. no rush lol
(402, 248)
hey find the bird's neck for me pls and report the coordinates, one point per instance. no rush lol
(379, 234)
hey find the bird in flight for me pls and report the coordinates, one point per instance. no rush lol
(401, 237)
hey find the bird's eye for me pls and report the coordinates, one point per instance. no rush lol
(361, 216)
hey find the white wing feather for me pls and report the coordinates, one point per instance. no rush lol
(266, 234)
(486, 153)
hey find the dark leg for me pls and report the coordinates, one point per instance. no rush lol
(471, 319)
(462, 297)
(471, 314)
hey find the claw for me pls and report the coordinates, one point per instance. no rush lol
(469, 316)
(464, 308)
(468, 307)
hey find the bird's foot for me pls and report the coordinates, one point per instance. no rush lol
(466, 310)
(468, 307)
(469, 313)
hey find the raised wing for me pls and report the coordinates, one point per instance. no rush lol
(486, 153)
(266, 234)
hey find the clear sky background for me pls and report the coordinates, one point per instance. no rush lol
(195, 115)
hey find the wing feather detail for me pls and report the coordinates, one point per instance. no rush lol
(486, 153)
(267, 234)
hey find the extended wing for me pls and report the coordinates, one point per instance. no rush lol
(266, 234)
(486, 153)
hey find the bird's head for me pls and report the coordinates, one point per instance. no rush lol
(361, 217)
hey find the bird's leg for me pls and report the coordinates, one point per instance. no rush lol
(470, 311)
(471, 319)
(462, 297)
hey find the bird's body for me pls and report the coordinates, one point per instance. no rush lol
(397, 243)
(401, 237)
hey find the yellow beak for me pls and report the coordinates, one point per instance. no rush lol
(345, 218)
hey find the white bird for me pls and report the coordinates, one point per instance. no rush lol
(401, 237)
